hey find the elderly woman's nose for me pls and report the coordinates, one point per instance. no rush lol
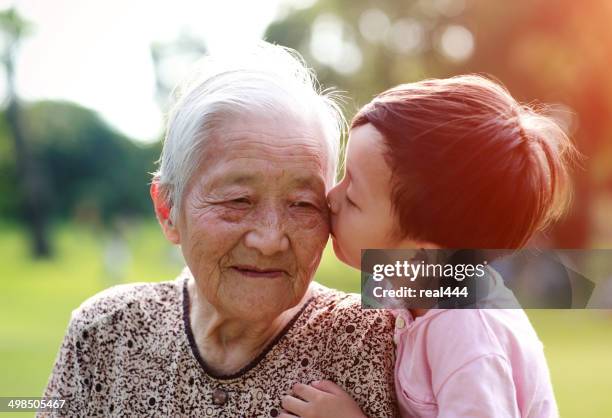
(269, 237)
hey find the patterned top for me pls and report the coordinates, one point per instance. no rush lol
(129, 351)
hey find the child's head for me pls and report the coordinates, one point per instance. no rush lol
(452, 163)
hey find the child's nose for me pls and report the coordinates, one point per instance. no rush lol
(332, 200)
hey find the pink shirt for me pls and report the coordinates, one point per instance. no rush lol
(471, 363)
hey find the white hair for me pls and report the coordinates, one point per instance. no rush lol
(265, 78)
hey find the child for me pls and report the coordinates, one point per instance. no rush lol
(453, 163)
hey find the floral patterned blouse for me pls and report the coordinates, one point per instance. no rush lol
(129, 351)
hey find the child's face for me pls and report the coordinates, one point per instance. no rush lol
(361, 212)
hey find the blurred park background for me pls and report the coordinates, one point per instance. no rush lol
(85, 86)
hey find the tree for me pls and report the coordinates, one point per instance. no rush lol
(31, 182)
(167, 57)
(89, 168)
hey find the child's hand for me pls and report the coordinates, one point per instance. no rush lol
(320, 399)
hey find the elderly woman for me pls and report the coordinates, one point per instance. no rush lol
(249, 155)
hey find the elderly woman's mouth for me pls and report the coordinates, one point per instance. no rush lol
(256, 272)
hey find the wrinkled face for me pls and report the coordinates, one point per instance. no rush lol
(254, 219)
(361, 208)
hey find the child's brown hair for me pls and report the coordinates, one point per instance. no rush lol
(471, 167)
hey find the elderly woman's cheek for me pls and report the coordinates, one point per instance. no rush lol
(212, 228)
(309, 228)
(308, 233)
(232, 215)
(313, 220)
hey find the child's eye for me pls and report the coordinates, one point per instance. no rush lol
(350, 202)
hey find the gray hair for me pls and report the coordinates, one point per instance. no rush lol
(267, 78)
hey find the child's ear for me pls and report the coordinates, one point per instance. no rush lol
(162, 212)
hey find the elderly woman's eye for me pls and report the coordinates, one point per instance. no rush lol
(303, 204)
(240, 202)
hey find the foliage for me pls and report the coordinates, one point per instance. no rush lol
(88, 168)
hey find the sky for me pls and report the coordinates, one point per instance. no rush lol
(97, 52)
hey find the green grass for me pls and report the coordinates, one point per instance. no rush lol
(36, 298)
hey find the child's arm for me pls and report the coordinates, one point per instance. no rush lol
(320, 399)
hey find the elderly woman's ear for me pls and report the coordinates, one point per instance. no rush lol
(162, 212)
